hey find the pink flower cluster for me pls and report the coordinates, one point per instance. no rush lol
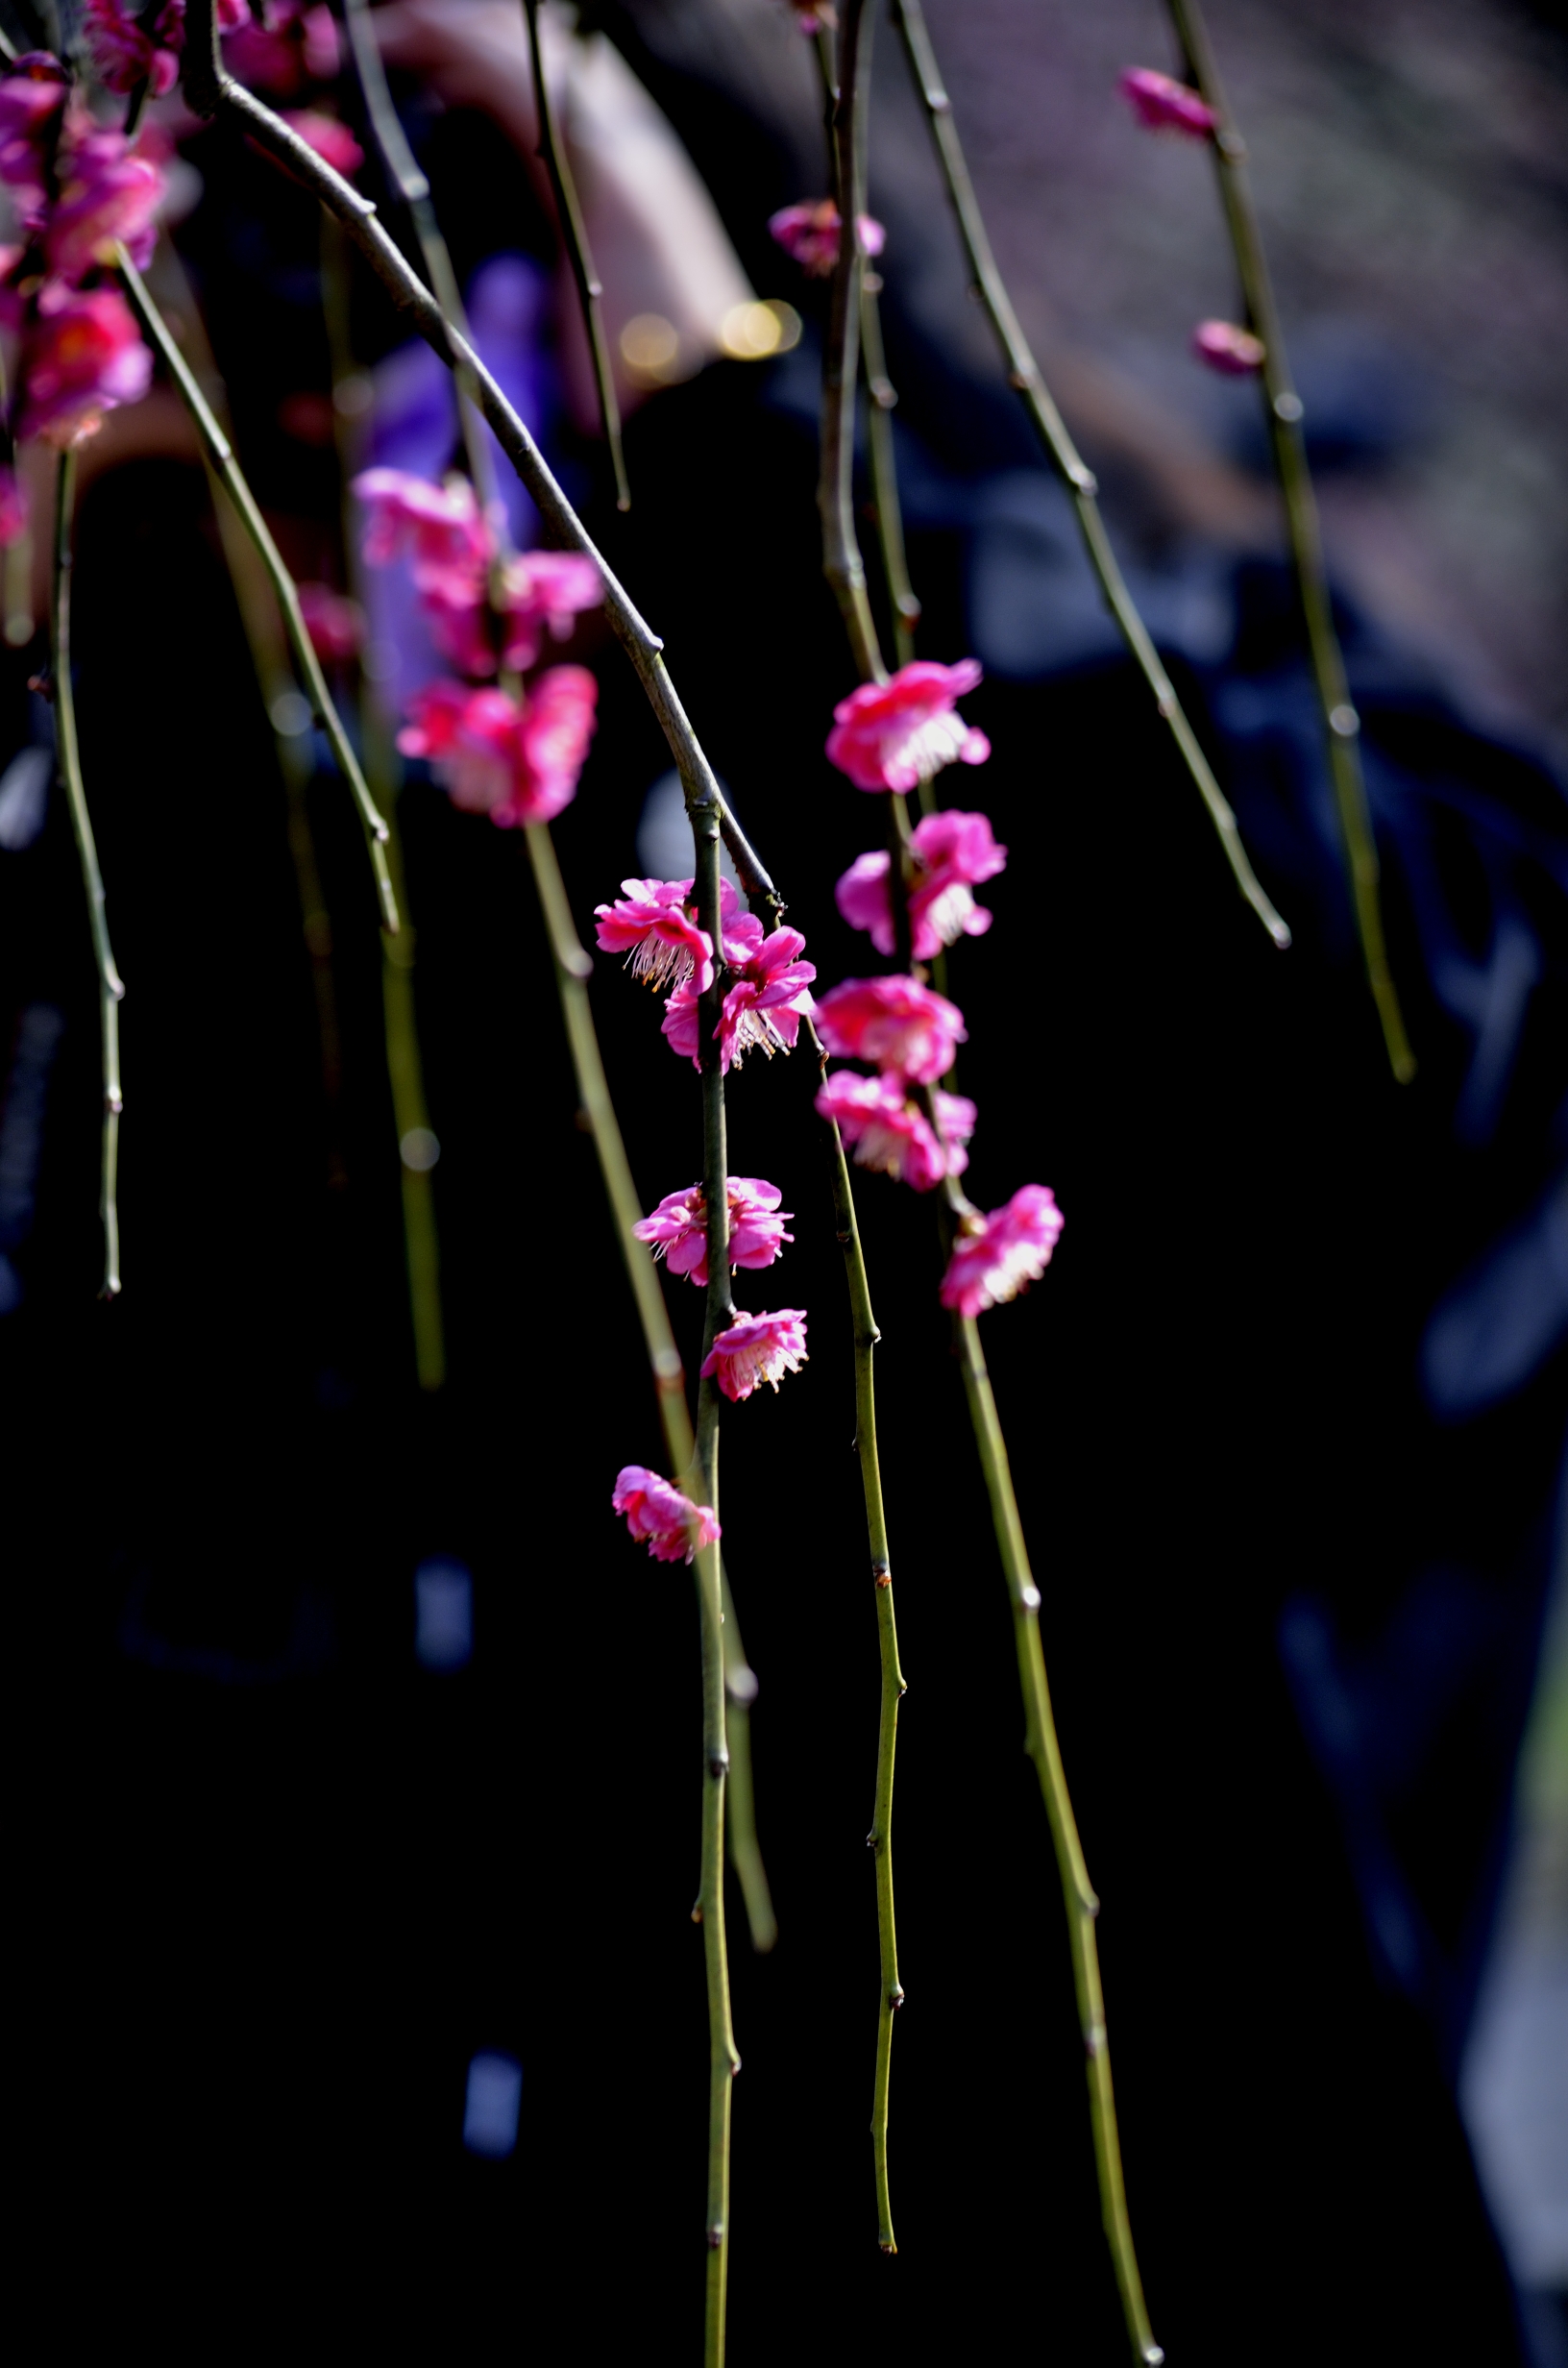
(78, 192)
(1233, 352)
(997, 1256)
(652, 925)
(672, 1525)
(890, 1132)
(515, 758)
(755, 1349)
(132, 45)
(810, 235)
(678, 1231)
(954, 852)
(899, 733)
(452, 558)
(1161, 105)
(283, 46)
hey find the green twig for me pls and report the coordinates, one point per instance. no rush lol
(722, 2061)
(110, 986)
(574, 236)
(1283, 411)
(841, 562)
(221, 454)
(1024, 375)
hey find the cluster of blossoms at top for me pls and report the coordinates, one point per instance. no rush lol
(76, 192)
(1163, 105)
(892, 736)
(809, 233)
(279, 47)
(515, 757)
(652, 924)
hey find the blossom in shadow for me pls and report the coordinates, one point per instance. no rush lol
(1161, 105)
(810, 235)
(656, 1510)
(1233, 352)
(894, 1023)
(898, 734)
(677, 1229)
(996, 1256)
(755, 1349)
(890, 1132)
(517, 761)
(952, 852)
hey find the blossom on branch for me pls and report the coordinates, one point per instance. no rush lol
(332, 141)
(1233, 352)
(336, 625)
(657, 1511)
(762, 1011)
(677, 1229)
(810, 235)
(437, 527)
(650, 923)
(894, 1023)
(997, 1256)
(82, 356)
(890, 1132)
(953, 850)
(283, 46)
(106, 195)
(1163, 105)
(516, 761)
(895, 734)
(30, 96)
(132, 45)
(757, 1349)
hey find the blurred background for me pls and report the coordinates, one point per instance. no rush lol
(355, 1771)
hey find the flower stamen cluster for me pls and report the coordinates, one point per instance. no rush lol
(677, 1230)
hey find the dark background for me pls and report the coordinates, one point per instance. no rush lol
(277, 1884)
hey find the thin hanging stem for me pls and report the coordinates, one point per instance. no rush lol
(880, 1837)
(841, 562)
(221, 454)
(1023, 374)
(568, 212)
(881, 396)
(573, 967)
(208, 88)
(1283, 411)
(722, 2061)
(110, 986)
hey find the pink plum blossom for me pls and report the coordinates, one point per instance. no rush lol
(650, 923)
(1234, 352)
(13, 509)
(810, 235)
(30, 96)
(283, 46)
(757, 1349)
(997, 1256)
(517, 762)
(888, 1131)
(332, 141)
(892, 1022)
(814, 15)
(544, 590)
(438, 528)
(762, 1011)
(336, 625)
(657, 1511)
(82, 356)
(677, 1229)
(895, 734)
(1161, 105)
(954, 850)
(106, 194)
(131, 47)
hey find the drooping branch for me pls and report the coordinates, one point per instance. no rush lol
(723, 2061)
(1283, 413)
(221, 453)
(841, 562)
(574, 237)
(1024, 375)
(110, 986)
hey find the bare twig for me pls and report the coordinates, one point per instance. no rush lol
(1283, 411)
(574, 236)
(110, 986)
(1024, 375)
